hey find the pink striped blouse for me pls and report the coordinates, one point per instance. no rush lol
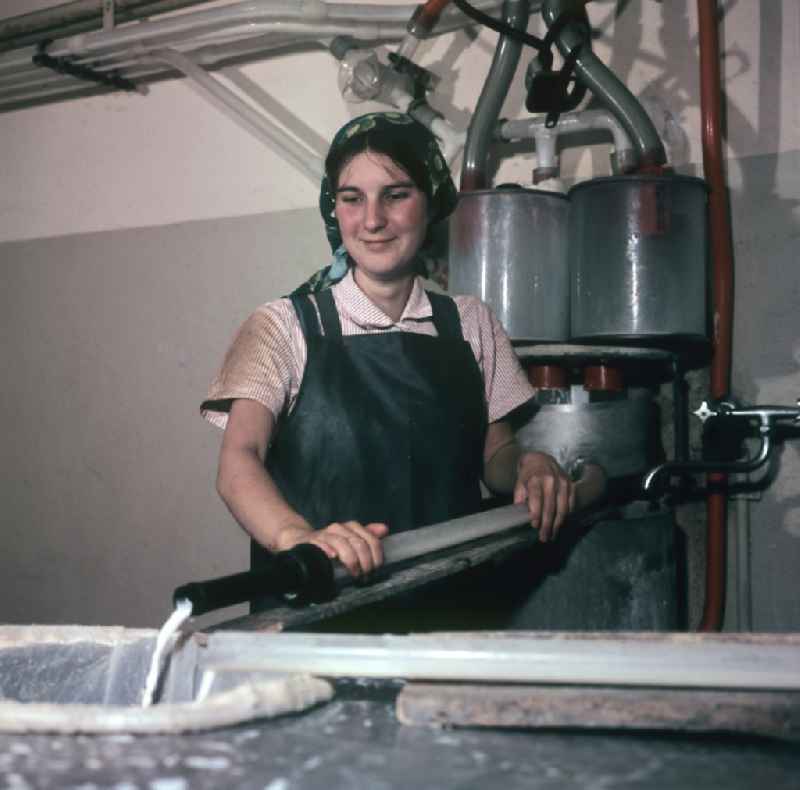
(266, 360)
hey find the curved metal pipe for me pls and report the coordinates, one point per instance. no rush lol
(602, 82)
(722, 278)
(738, 467)
(504, 64)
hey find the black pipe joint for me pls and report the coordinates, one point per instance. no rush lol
(304, 572)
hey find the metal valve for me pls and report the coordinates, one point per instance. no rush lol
(766, 415)
(766, 420)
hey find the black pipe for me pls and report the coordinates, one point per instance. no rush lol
(304, 570)
(680, 408)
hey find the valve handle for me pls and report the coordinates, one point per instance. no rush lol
(767, 418)
(766, 415)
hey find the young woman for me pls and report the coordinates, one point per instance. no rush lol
(364, 404)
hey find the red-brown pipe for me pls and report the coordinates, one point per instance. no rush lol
(547, 377)
(603, 378)
(722, 280)
(428, 15)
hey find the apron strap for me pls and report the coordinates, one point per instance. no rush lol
(307, 315)
(330, 318)
(445, 316)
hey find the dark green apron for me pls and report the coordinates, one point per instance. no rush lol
(386, 427)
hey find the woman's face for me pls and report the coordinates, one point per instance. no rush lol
(382, 216)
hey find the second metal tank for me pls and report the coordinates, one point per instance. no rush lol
(637, 252)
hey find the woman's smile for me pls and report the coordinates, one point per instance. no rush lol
(377, 243)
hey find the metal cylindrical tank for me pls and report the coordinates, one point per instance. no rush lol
(620, 435)
(509, 248)
(638, 260)
(621, 572)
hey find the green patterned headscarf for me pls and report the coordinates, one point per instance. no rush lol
(396, 131)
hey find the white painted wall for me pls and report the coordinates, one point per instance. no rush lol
(136, 232)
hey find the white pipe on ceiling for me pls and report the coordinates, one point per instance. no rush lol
(250, 14)
(220, 33)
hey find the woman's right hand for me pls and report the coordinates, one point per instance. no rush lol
(357, 546)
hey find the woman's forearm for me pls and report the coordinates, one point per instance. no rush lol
(255, 502)
(500, 470)
(258, 505)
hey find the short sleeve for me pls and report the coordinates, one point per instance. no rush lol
(506, 386)
(264, 363)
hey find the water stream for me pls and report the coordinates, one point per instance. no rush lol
(183, 611)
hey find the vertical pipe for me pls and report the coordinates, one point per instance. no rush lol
(680, 409)
(474, 172)
(722, 279)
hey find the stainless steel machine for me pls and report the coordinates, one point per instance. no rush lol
(603, 291)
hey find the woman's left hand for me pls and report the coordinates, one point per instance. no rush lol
(547, 489)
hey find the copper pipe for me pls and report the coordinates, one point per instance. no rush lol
(722, 279)
(428, 15)
(547, 377)
(603, 378)
(716, 517)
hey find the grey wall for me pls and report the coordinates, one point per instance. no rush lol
(108, 343)
(765, 192)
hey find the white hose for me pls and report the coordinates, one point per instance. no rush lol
(262, 699)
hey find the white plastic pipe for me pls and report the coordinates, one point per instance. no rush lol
(248, 118)
(263, 35)
(568, 123)
(415, 543)
(254, 18)
(221, 33)
(249, 15)
(668, 660)
(290, 21)
(419, 542)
